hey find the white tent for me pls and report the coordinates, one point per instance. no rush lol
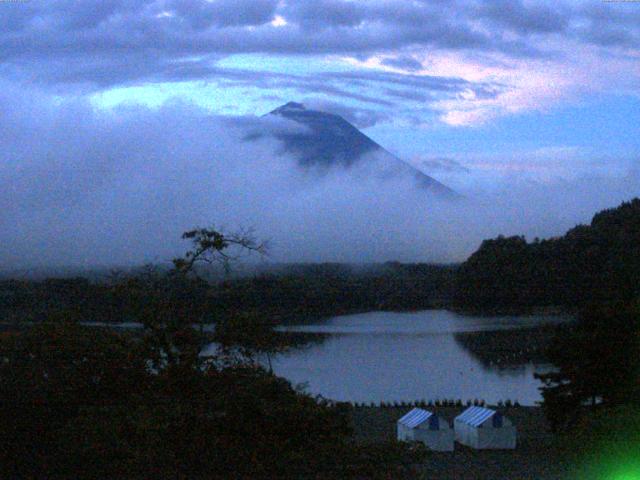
(480, 427)
(421, 426)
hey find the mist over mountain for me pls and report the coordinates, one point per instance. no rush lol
(82, 187)
(329, 141)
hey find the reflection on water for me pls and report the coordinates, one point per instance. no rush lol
(385, 356)
(423, 322)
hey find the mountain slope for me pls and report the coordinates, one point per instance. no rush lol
(330, 141)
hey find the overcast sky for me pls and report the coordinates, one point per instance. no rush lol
(106, 103)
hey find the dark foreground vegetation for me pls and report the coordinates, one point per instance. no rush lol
(80, 402)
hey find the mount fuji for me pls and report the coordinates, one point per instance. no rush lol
(328, 141)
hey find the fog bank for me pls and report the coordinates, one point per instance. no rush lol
(80, 186)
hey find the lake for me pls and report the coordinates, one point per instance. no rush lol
(388, 356)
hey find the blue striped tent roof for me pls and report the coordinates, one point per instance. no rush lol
(475, 416)
(415, 417)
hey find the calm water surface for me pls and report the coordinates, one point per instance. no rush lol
(386, 356)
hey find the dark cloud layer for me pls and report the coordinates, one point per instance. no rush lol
(223, 13)
(403, 62)
(526, 19)
(113, 42)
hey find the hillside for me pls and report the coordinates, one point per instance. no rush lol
(595, 263)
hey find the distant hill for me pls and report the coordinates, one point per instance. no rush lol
(329, 141)
(591, 264)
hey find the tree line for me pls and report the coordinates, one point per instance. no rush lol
(294, 293)
(591, 264)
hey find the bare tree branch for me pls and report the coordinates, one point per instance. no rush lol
(212, 246)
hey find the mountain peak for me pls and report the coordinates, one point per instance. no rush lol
(290, 107)
(329, 140)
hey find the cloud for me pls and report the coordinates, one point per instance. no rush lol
(118, 187)
(440, 164)
(514, 55)
(608, 25)
(403, 62)
(222, 13)
(526, 19)
(165, 35)
(327, 13)
(360, 117)
(83, 186)
(560, 166)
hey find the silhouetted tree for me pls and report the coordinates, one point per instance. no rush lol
(598, 363)
(50, 374)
